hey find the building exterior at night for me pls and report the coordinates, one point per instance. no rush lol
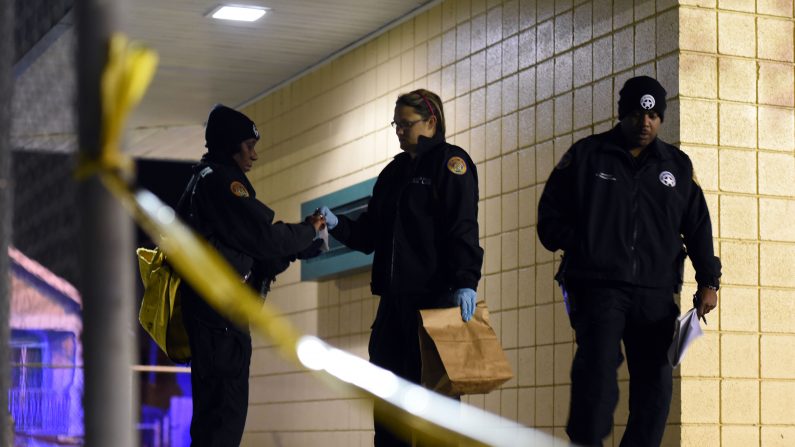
(45, 398)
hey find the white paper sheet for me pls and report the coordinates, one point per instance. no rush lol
(687, 330)
(324, 235)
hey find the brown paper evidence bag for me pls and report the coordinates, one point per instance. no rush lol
(461, 357)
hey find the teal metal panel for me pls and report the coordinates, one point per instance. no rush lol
(339, 259)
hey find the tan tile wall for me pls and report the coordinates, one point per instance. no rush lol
(736, 76)
(522, 80)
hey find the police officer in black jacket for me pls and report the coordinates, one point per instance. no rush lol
(221, 205)
(421, 222)
(623, 206)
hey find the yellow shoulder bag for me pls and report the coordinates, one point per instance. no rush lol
(161, 309)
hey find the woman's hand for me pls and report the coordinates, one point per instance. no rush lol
(331, 219)
(317, 221)
(466, 299)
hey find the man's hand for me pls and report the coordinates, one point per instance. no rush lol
(708, 300)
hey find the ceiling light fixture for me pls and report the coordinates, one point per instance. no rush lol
(238, 13)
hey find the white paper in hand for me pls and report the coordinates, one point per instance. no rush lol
(324, 235)
(687, 330)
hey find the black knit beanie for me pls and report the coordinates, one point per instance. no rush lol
(226, 129)
(641, 93)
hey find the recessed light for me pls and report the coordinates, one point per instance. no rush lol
(238, 13)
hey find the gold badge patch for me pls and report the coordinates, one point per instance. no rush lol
(238, 189)
(457, 165)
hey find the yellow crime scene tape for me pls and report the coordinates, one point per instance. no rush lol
(409, 409)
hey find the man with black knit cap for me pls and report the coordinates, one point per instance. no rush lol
(625, 208)
(221, 205)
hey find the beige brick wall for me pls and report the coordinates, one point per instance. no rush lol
(521, 81)
(736, 67)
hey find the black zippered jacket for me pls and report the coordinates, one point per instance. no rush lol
(224, 208)
(621, 219)
(421, 222)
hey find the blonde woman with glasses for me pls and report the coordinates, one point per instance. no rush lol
(421, 224)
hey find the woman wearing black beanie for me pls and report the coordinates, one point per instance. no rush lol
(220, 204)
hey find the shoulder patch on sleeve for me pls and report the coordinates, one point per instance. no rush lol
(457, 165)
(238, 189)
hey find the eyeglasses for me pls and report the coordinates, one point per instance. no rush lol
(405, 125)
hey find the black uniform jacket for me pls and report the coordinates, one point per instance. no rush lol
(421, 222)
(623, 219)
(225, 210)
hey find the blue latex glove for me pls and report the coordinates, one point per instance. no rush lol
(331, 219)
(466, 299)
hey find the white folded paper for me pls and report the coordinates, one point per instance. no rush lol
(687, 330)
(324, 235)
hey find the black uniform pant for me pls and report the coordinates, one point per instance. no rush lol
(394, 345)
(603, 316)
(221, 355)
